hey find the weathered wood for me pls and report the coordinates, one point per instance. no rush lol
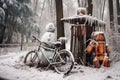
(78, 43)
(80, 32)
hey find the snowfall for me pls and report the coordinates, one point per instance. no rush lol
(13, 68)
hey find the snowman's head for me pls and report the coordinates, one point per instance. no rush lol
(50, 27)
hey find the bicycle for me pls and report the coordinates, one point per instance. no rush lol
(61, 60)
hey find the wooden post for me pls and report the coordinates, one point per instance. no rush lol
(78, 42)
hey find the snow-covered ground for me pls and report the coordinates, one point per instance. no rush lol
(13, 68)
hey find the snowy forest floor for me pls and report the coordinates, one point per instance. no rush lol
(13, 68)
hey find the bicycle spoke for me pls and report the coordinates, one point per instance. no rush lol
(34, 57)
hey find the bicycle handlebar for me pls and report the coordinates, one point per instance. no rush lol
(36, 39)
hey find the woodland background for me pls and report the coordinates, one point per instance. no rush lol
(21, 19)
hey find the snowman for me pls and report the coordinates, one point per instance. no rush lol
(49, 36)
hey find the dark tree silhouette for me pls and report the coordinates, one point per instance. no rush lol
(59, 15)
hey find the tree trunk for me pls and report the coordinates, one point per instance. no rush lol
(111, 13)
(90, 7)
(115, 15)
(2, 31)
(59, 15)
(10, 30)
(36, 5)
(22, 40)
(3, 26)
(78, 3)
(118, 11)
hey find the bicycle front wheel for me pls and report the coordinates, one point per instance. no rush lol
(32, 59)
(65, 61)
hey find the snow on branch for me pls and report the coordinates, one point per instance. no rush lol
(84, 19)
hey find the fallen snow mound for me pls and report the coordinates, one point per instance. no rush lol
(13, 68)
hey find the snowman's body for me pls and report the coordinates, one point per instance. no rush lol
(49, 35)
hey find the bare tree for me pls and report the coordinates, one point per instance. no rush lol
(118, 11)
(59, 15)
(78, 3)
(36, 5)
(90, 7)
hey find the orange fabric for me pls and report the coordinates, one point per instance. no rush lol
(100, 57)
(106, 63)
(99, 49)
(90, 48)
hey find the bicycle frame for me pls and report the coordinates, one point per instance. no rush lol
(56, 54)
(47, 55)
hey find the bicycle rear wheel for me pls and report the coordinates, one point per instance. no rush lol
(32, 59)
(65, 62)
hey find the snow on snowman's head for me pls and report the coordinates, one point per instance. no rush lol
(50, 27)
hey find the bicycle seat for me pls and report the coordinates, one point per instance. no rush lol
(57, 44)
